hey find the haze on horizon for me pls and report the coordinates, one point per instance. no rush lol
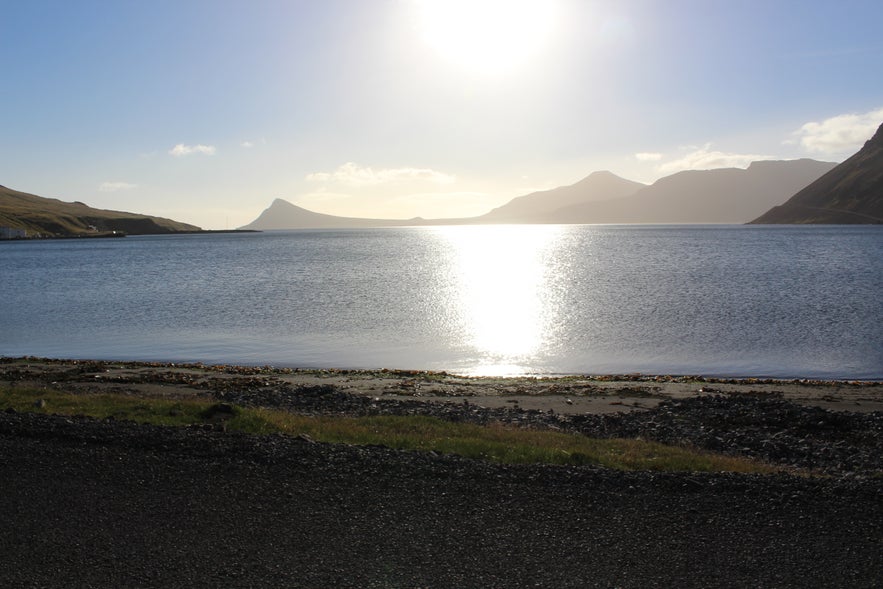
(205, 112)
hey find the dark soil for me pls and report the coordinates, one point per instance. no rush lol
(87, 503)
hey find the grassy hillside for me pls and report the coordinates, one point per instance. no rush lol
(50, 217)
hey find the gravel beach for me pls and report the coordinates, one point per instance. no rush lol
(102, 503)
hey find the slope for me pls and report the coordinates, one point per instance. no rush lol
(51, 217)
(281, 214)
(529, 208)
(851, 193)
(726, 195)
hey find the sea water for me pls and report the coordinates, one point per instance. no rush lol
(778, 301)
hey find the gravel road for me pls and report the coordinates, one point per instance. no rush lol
(88, 503)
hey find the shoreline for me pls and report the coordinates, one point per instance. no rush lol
(572, 394)
(117, 233)
(106, 502)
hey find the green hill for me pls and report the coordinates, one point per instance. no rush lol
(49, 217)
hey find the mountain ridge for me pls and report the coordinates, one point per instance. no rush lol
(282, 214)
(850, 193)
(597, 186)
(723, 195)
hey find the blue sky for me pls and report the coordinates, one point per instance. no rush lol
(205, 111)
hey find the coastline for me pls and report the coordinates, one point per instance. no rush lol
(116, 234)
(595, 394)
(91, 502)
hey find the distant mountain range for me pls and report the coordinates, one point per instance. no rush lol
(850, 193)
(795, 191)
(728, 195)
(49, 217)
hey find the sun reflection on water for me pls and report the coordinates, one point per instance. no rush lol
(504, 297)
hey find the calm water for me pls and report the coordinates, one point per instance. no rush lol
(714, 300)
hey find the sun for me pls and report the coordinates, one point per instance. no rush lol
(487, 36)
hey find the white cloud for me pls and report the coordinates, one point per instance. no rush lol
(841, 134)
(115, 186)
(704, 158)
(355, 175)
(181, 150)
(648, 157)
(319, 177)
(247, 144)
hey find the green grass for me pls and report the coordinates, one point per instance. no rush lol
(496, 442)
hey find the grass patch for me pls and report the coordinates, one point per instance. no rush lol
(496, 442)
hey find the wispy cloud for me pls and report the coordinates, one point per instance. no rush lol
(705, 158)
(437, 204)
(839, 134)
(181, 150)
(115, 186)
(648, 156)
(247, 144)
(355, 175)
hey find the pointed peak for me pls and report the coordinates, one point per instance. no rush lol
(877, 139)
(603, 175)
(606, 178)
(282, 203)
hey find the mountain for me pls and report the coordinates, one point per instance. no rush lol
(50, 217)
(524, 209)
(850, 193)
(729, 195)
(726, 195)
(281, 214)
(597, 186)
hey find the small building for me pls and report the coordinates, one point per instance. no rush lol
(12, 233)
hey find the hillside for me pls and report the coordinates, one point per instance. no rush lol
(49, 217)
(725, 195)
(598, 186)
(281, 214)
(851, 193)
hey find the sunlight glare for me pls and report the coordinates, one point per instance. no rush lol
(487, 35)
(504, 294)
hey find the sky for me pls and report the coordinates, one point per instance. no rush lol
(207, 111)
